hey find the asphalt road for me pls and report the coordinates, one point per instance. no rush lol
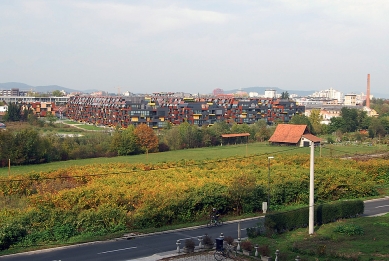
(123, 249)
(143, 246)
(376, 207)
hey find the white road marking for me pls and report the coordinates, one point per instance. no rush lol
(382, 206)
(116, 250)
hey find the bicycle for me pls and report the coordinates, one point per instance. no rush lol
(226, 252)
(213, 222)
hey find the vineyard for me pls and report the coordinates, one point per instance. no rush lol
(105, 198)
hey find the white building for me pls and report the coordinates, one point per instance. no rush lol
(253, 94)
(330, 94)
(270, 94)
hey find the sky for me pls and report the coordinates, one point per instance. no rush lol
(196, 46)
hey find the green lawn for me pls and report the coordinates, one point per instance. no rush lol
(200, 154)
(327, 244)
(69, 122)
(83, 126)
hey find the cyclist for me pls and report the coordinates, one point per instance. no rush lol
(215, 215)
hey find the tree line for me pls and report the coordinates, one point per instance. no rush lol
(30, 146)
(352, 124)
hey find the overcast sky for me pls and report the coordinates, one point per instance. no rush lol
(196, 46)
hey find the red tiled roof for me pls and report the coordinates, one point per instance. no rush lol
(288, 133)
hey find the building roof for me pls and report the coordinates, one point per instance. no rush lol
(288, 133)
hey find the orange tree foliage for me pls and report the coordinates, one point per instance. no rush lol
(147, 139)
(105, 198)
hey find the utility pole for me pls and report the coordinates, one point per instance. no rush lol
(311, 190)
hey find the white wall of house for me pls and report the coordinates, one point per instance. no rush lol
(4, 108)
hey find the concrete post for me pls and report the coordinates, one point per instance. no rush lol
(264, 207)
(200, 238)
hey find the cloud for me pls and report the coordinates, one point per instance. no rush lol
(148, 19)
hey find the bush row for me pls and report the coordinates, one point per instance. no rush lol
(280, 222)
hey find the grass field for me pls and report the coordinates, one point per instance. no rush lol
(367, 239)
(201, 154)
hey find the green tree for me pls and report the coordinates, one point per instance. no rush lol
(285, 95)
(262, 131)
(300, 119)
(315, 118)
(219, 128)
(190, 135)
(51, 118)
(125, 142)
(350, 119)
(385, 123)
(26, 112)
(6, 140)
(170, 138)
(363, 121)
(336, 123)
(13, 112)
(376, 128)
(57, 93)
(28, 147)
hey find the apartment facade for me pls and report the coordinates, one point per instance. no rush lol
(157, 111)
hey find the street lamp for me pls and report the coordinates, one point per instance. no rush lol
(268, 183)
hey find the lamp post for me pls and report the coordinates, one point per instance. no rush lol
(268, 184)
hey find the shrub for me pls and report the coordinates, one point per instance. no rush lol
(253, 232)
(64, 232)
(207, 240)
(349, 229)
(229, 240)
(11, 234)
(247, 245)
(189, 244)
(264, 250)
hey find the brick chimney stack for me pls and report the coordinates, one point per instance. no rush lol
(368, 92)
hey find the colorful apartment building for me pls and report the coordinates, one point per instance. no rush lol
(157, 111)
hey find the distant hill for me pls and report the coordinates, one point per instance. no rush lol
(42, 89)
(261, 91)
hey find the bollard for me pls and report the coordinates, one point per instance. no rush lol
(277, 253)
(238, 246)
(178, 246)
(256, 250)
(221, 235)
(297, 258)
(200, 238)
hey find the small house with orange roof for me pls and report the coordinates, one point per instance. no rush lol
(295, 135)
